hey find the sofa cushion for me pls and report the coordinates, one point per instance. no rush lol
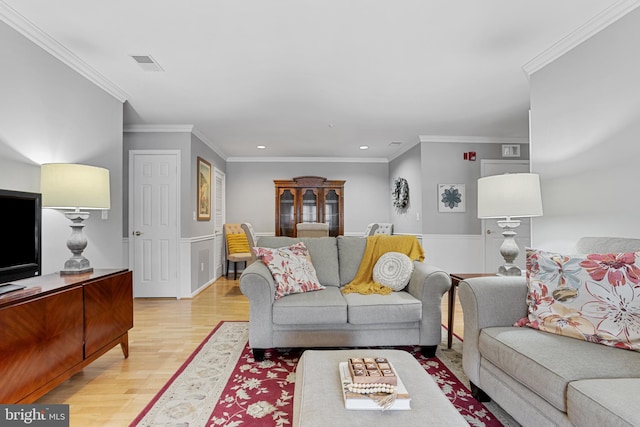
(350, 251)
(604, 402)
(591, 297)
(393, 270)
(397, 307)
(323, 252)
(291, 269)
(587, 245)
(547, 363)
(327, 306)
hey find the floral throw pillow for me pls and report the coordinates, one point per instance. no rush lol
(593, 297)
(291, 269)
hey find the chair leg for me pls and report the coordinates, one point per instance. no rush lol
(227, 268)
(235, 270)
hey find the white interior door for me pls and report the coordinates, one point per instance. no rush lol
(492, 233)
(219, 210)
(154, 223)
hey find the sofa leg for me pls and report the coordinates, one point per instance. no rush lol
(428, 351)
(479, 394)
(258, 354)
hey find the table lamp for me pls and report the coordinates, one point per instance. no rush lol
(73, 186)
(509, 196)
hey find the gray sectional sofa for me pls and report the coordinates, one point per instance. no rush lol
(328, 318)
(539, 378)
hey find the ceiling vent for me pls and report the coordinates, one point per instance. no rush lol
(395, 144)
(147, 63)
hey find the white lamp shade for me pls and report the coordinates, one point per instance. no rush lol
(65, 186)
(509, 195)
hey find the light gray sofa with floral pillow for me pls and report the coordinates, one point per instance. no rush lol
(329, 318)
(560, 366)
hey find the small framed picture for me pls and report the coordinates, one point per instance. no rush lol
(451, 198)
(204, 190)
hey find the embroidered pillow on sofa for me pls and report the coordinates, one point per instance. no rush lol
(594, 297)
(393, 269)
(291, 269)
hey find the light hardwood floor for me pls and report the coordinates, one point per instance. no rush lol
(113, 390)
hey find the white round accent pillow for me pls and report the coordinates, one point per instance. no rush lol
(393, 269)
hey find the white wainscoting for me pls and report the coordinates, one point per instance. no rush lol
(184, 267)
(185, 263)
(455, 253)
(187, 274)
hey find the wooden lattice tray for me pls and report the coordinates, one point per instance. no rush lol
(372, 370)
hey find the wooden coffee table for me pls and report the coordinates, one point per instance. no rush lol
(456, 278)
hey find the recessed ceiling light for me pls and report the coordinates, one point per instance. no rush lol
(261, 147)
(364, 147)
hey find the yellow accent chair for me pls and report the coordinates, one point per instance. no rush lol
(237, 247)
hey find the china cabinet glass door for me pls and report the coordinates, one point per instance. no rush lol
(287, 213)
(309, 205)
(332, 211)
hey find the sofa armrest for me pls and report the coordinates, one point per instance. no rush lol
(488, 302)
(428, 284)
(257, 284)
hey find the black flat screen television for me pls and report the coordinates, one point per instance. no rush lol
(21, 222)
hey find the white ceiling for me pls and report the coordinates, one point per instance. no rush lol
(317, 78)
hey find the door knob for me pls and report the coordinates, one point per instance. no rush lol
(489, 231)
(137, 233)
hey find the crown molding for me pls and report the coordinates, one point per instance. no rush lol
(596, 24)
(174, 128)
(307, 160)
(25, 27)
(402, 150)
(158, 128)
(473, 139)
(209, 143)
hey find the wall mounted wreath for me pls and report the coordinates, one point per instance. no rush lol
(400, 193)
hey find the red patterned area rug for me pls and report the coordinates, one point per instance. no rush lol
(222, 385)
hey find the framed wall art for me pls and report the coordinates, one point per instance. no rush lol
(204, 190)
(451, 198)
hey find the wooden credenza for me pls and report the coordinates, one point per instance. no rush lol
(57, 326)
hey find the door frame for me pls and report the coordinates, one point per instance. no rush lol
(218, 233)
(132, 250)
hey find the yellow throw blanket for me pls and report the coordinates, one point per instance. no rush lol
(377, 246)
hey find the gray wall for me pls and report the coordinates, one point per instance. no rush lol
(407, 166)
(201, 262)
(585, 125)
(50, 113)
(200, 149)
(251, 196)
(431, 163)
(190, 148)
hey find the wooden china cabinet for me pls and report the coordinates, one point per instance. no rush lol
(309, 199)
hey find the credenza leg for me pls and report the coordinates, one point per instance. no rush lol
(124, 344)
